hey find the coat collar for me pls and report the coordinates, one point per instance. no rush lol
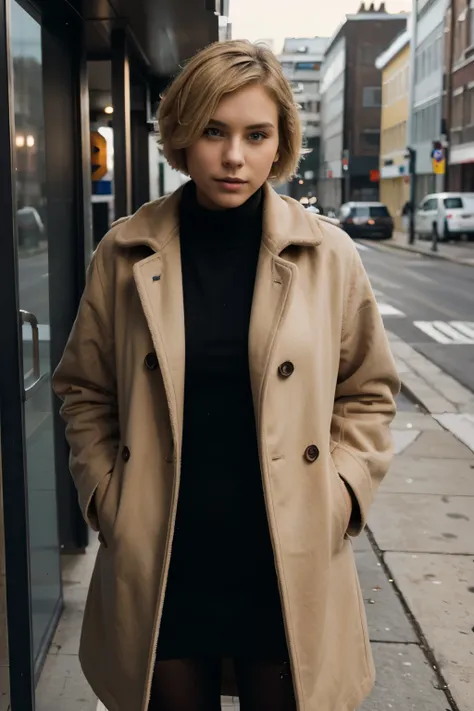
(285, 223)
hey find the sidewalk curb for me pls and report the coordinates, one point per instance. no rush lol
(417, 250)
(425, 647)
(411, 395)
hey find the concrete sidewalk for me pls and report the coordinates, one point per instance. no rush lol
(457, 252)
(416, 564)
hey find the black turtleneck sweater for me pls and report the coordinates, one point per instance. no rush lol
(222, 596)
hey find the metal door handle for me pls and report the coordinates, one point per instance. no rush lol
(35, 372)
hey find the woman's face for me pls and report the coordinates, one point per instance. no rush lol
(235, 154)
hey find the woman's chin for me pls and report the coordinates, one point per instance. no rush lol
(220, 199)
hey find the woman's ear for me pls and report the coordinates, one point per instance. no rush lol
(277, 157)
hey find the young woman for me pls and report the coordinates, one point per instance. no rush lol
(228, 389)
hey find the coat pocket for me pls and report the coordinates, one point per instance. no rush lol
(338, 490)
(105, 508)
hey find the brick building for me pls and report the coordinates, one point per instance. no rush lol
(351, 98)
(459, 82)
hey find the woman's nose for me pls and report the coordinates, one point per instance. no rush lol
(233, 155)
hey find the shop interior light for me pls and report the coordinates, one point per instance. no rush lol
(109, 110)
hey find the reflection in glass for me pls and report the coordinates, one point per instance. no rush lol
(33, 273)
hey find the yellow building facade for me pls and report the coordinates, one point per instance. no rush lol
(394, 64)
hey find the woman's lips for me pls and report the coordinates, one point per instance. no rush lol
(231, 185)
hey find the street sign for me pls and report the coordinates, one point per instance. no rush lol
(98, 156)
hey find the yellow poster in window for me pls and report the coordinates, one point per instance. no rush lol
(439, 166)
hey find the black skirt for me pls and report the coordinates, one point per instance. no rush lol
(222, 599)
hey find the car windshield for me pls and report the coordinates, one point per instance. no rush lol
(370, 211)
(453, 203)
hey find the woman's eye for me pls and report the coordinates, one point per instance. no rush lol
(212, 132)
(257, 136)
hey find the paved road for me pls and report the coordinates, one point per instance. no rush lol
(429, 304)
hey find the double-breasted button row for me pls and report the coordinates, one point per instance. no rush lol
(125, 454)
(311, 453)
(286, 369)
(151, 361)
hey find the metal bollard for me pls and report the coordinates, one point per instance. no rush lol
(434, 244)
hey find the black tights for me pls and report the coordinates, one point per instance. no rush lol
(195, 685)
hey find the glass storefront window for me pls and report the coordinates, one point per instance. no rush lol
(33, 276)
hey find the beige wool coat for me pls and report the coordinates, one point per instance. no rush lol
(322, 422)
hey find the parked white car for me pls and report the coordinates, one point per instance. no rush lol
(451, 213)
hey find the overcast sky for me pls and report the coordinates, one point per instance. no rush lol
(277, 19)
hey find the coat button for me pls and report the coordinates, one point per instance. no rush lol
(311, 453)
(125, 454)
(286, 369)
(151, 361)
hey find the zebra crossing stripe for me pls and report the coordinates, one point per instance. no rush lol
(389, 310)
(448, 333)
(465, 327)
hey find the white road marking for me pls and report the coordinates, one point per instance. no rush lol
(448, 333)
(388, 310)
(420, 277)
(465, 327)
(384, 283)
(362, 247)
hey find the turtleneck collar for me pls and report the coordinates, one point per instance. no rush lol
(210, 222)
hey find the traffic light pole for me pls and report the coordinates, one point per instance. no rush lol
(412, 169)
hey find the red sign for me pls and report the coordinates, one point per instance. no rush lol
(329, 173)
(374, 176)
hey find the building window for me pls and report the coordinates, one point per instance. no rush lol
(371, 138)
(372, 97)
(458, 110)
(470, 107)
(471, 22)
(307, 66)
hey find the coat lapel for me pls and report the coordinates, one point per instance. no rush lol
(159, 283)
(271, 296)
(285, 224)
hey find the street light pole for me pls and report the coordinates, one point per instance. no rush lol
(412, 171)
(449, 93)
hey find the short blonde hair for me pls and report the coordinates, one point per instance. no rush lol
(221, 68)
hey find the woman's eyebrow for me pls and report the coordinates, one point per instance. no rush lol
(252, 127)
